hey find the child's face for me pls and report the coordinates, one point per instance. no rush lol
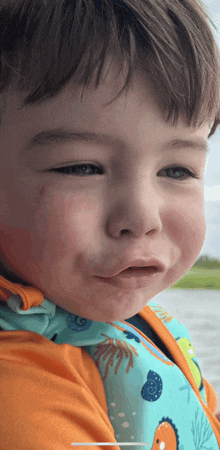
(59, 232)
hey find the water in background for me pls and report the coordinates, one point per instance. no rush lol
(199, 311)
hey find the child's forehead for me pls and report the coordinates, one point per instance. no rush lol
(140, 107)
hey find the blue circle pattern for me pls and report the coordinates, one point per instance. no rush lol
(77, 323)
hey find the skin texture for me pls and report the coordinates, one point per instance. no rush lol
(60, 231)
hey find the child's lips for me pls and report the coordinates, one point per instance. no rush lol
(133, 278)
(130, 264)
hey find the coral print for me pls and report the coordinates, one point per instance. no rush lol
(149, 345)
(152, 389)
(110, 348)
(162, 313)
(166, 436)
(202, 432)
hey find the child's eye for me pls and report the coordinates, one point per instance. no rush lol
(179, 173)
(79, 170)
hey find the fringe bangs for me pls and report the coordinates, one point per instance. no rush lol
(46, 43)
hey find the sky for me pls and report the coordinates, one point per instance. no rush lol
(211, 245)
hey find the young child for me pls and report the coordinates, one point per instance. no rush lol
(106, 111)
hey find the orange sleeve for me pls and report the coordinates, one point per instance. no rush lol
(51, 395)
(210, 395)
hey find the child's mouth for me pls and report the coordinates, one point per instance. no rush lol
(133, 277)
(148, 270)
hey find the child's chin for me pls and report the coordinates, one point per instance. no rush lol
(116, 317)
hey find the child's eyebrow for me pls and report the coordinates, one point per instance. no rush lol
(62, 135)
(195, 144)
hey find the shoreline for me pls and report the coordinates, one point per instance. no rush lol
(199, 278)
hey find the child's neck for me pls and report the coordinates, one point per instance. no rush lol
(10, 276)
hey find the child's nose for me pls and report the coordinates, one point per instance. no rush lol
(135, 215)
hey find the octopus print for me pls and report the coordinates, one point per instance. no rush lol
(166, 436)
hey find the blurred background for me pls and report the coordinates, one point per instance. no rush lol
(195, 299)
(212, 175)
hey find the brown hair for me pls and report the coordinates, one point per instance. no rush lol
(44, 42)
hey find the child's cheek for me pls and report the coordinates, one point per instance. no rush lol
(69, 221)
(188, 230)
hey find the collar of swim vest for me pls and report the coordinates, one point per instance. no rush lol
(30, 295)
